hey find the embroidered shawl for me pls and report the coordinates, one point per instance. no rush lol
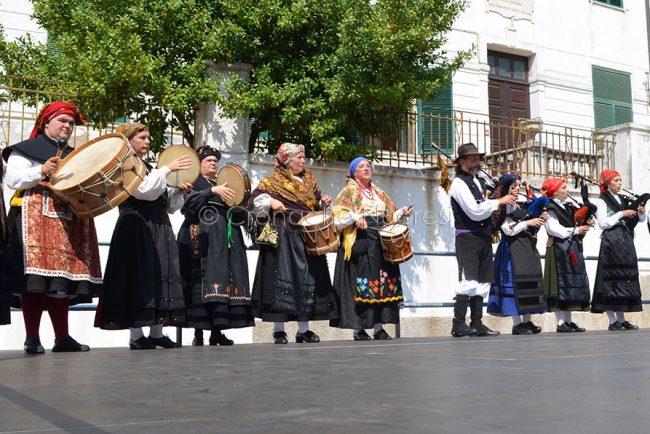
(351, 199)
(283, 185)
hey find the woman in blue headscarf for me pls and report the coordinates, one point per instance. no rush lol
(518, 282)
(368, 288)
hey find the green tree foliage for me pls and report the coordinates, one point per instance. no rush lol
(328, 74)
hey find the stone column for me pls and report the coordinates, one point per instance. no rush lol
(212, 128)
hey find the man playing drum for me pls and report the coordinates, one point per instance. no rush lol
(473, 224)
(54, 255)
(368, 287)
(212, 255)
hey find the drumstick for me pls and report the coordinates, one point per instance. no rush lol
(61, 144)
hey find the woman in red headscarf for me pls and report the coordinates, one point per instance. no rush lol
(53, 254)
(617, 288)
(566, 285)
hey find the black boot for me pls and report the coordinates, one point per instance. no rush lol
(198, 338)
(460, 327)
(476, 308)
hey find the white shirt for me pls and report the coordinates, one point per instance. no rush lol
(607, 220)
(155, 184)
(509, 227)
(22, 173)
(476, 211)
(553, 226)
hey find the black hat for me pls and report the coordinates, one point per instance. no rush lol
(466, 150)
(206, 151)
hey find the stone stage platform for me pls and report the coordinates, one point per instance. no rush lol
(594, 382)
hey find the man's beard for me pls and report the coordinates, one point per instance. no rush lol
(474, 170)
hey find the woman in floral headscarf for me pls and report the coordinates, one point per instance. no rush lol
(290, 285)
(368, 288)
(617, 288)
(566, 285)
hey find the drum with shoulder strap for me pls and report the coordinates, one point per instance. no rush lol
(98, 175)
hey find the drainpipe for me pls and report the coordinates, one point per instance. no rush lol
(647, 30)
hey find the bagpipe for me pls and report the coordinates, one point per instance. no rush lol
(535, 206)
(583, 210)
(633, 201)
(488, 182)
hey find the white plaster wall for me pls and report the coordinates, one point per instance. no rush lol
(563, 40)
(15, 17)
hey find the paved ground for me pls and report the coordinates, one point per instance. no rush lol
(596, 382)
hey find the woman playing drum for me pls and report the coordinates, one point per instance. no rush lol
(290, 285)
(368, 288)
(142, 285)
(53, 254)
(213, 257)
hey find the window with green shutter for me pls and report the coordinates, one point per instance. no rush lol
(612, 97)
(614, 3)
(435, 123)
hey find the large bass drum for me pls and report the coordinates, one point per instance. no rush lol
(98, 175)
(185, 176)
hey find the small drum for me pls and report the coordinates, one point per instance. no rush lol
(98, 175)
(396, 242)
(238, 180)
(319, 233)
(185, 176)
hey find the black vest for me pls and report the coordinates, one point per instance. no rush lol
(564, 213)
(462, 220)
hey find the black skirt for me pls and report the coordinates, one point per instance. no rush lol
(291, 285)
(366, 263)
(142, 282)
(215, 275)
(566, 285)
(617, 285)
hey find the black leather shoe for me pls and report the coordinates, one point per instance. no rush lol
(629, 326)
(575, 327)
(69, 345)
(280, 338)
(361, 335)
(381, 335)
(142, 343)
(218, 338)
(33, 345)
(521, 329)
(615, 326)
(197, 342)
(308, 337)
(462, 329)
(163, 342)
(483, 330)
(532, 327)
(564, 328)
